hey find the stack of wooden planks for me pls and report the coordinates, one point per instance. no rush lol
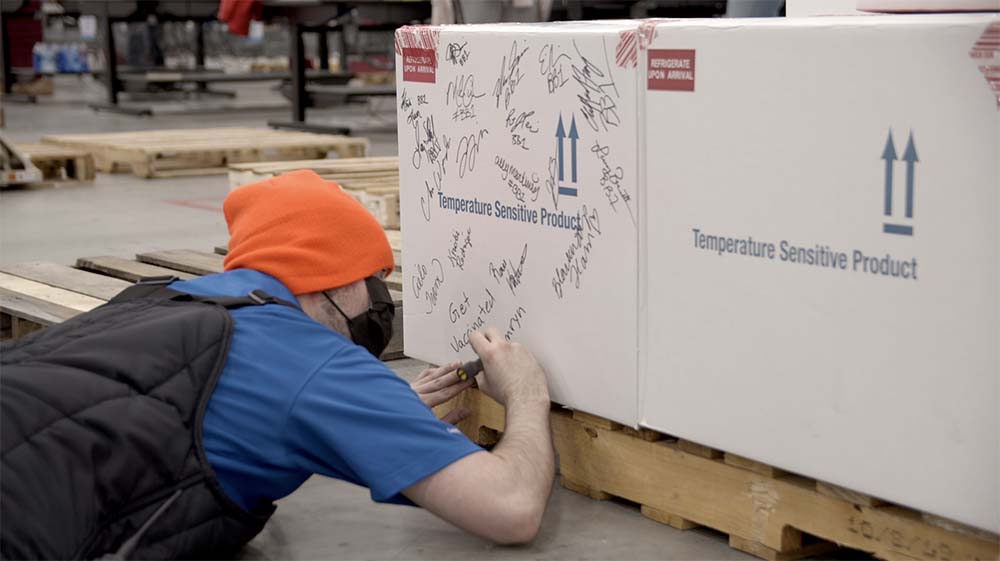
(372, 181)
(36, 295)
(169, 153)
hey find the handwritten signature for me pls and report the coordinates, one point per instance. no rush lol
(456, 54)
(420, 281)
(462, 90)
(550, 66)
(611, 180)
(521, 183)
(510, 76)
(460, 246)
(468, 149)
(427, 200)
(550, 182)
(518, 124)
(429, 146)
(596, 102)
(577, 255)
(508, 272)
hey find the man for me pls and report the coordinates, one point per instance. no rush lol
(165, 423)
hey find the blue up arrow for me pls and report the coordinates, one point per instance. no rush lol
(573, 136)
(561, 134)
(889, 155)
(910, 155)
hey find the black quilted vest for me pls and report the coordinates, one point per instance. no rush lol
(101, 433)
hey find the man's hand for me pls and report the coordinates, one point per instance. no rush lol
(435, 386)
(500, 495)
(510, 372)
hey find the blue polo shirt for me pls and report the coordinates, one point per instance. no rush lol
(297, 398)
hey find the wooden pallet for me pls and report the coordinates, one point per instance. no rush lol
(374, 182)
(36, 295)
(59, 164)
(765, 511)
(182, 152)
(341, 170)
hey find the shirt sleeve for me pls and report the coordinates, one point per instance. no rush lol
(355, 420)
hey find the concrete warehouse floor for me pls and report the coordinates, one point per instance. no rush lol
(325, 519)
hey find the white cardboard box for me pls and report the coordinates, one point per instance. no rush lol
(518, 172)
(862, 143)
(775, 129)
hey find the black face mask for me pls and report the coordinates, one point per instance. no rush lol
(372, 329)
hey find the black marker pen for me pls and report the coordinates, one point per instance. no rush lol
(470, 369)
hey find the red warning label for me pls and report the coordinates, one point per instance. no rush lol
(671, 69)
(419, 65)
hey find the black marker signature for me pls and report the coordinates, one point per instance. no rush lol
(577, 255)
(429, 146)
(468, 149)
(550, 182)
(420, 279)
(456, 54)
(508, 272)
(462, 90)
(518, 124)
(510, 76)
(596, 102)
(611, 180)
(549, 65)
(460, 246)
(521, 182)
(427, 200)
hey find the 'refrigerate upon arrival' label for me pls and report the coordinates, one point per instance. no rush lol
(671, 69)
(419, 65)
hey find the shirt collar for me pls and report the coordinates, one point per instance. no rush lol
(238, 282)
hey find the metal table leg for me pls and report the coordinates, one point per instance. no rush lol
(110, 77)
(324, 50)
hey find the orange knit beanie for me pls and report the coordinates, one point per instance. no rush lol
(305, 231)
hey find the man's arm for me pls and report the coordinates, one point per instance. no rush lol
(500, 495)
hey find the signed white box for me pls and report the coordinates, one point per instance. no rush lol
(518, 200)
(820, 250)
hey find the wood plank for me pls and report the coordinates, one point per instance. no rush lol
(41, 303)
(187, 260)
(68, 278)
(699, 449)
(22, 306)
(126, 269)
(395, 280)
(387, 163)
(49, 151)
(596, 421)
(853, 497)
(160, 153)
(664, 517)
(753, 465)
(59, 296)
